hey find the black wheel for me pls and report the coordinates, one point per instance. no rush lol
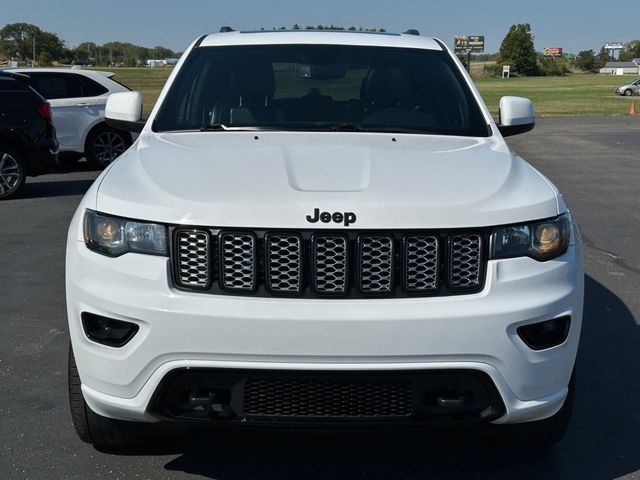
(543, 433)
(93, 428)
(13, 172)
(105, 144)
(628, 93)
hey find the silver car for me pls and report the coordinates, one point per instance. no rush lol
(632, 88)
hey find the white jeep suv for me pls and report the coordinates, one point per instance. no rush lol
(78, 99)
(322, 229)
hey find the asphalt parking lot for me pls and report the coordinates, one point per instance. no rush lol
(596, 164)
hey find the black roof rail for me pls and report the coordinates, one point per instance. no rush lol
(412, 31)
(226, 28)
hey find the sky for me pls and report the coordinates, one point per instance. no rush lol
(573, 25)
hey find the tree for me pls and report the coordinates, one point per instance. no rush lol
(160, 52)
(602, 58)
(44, 59)
(631, 50)
(17, 39)
(518, 51)
(50, 43)
(586, 60)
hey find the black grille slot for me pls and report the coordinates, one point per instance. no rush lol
(193, 251)
(325, 398)
(238, 261)
(375, 259)
(331, 264)
(465, 263)
(284, 262)
(422, 263)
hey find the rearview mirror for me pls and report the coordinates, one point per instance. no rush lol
(516, 116)
(124, 111)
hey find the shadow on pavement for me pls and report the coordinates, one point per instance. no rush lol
(59, 186)
(602, 442)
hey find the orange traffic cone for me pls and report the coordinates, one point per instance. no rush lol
(632, 110)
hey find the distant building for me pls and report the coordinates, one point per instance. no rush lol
(167, 62)
(155, 63)
(621, 68)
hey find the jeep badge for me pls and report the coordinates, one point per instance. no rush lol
(337, 217)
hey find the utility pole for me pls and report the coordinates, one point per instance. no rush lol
(33, 58)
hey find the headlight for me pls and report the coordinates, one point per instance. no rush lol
(114, 236)
(542, 240)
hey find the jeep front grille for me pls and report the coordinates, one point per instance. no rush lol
(422, 263)
(345, 264)
(375, 263)
(465, 261)
(284, 263)
(238, 263)
(193, 254)
(330, 264)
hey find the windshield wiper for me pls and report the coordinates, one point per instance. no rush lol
(347, 127)
(214, 127)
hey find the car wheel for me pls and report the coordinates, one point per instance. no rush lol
(91, 427)
(106, 144)
(545, 433)
(628, 92)
(13, 172)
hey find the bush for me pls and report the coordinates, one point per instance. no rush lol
(553, 67)
(44, 59)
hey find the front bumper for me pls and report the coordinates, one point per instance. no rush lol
(179, 330)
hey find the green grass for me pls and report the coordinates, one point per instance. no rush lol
(148, 81)
(552, 96)
(556, 96)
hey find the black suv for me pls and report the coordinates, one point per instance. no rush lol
(28, 144)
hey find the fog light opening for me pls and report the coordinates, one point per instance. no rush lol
(547, 334)
(108, 331)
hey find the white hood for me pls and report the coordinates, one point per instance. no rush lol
(276, 179)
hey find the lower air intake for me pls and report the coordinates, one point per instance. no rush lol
(318, 398)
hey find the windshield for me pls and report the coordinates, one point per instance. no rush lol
(321, 87)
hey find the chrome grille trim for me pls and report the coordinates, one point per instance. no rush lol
(375, 263)
(284, 262)
(422, 263)
(465, 262)
(238, 265)
(330, 264)
(193, 253)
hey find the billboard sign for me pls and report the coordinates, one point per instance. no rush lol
(468, 43)
(555, 52)
(613, 46)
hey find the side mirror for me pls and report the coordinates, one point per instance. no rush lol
(516, 116)
(124, 111)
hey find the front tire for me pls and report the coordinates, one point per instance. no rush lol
(542, 434)
(91, 427)
(628, 93)
(105, 144)
(13, 172)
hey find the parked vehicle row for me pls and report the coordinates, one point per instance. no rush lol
(28, 145)
(78, 99)
(52, 114)
(631, 88)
